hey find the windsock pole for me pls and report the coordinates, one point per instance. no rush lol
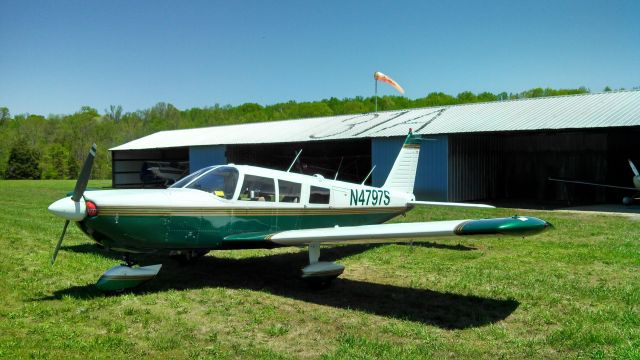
(375, 81)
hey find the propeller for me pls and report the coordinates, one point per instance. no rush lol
(78, 191)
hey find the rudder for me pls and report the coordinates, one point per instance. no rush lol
(402, 176)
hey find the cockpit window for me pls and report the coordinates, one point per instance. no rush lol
(187, 179)
(221, 181)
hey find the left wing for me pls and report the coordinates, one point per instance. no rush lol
(515, 226)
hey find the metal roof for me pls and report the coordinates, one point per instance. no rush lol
(610, 109)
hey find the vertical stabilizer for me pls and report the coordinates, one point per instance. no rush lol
(403, 173)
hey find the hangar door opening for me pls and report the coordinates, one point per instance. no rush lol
(517, 166)
(154, 168)
(352, 157)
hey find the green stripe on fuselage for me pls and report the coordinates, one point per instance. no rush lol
(150, 232)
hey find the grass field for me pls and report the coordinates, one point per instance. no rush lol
(569, 293)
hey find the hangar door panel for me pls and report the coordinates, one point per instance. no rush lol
(474, 164)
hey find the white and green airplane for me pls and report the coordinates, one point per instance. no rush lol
(247, 207)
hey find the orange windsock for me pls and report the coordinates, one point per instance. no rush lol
(382, 77)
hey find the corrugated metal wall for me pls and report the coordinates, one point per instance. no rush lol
(203, 156)
(474, 162)
(431, 177)
(530, 159)
(383, 153)
(516, 166)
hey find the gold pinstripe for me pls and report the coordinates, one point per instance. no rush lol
(133, 211)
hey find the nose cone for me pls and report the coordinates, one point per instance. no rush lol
(69, 209)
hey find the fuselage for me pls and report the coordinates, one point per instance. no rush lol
(200, 211)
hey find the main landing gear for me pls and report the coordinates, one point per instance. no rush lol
(319, 274)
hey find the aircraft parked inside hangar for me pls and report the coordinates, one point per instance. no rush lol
(627, 200)
(245, 207)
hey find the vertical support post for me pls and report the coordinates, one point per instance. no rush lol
(314, 253)
(376, 92)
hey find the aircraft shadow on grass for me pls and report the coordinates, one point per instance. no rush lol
(279, 275)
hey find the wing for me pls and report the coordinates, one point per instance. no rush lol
(515, 226)
(437, 203)
(593, 184)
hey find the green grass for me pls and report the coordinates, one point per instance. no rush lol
(569, 293)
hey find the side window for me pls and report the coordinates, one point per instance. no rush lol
(289, 191)
(319, 195)
(258, 188)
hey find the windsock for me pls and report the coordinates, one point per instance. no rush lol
(382, 77)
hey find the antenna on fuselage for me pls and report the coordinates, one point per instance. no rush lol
(369, 174)
(294, 160)
(339, 166)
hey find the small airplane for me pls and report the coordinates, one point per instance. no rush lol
(627, 200)
(163, 171)
(247, 207)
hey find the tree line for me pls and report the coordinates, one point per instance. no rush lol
(54, 147)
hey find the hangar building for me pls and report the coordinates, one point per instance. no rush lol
(503, 150)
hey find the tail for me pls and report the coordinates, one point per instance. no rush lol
(403, 173)
(633, 168)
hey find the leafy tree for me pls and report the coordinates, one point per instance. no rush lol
(437, 99)
(53, 163)
(607, 88)
(487, 96)
(467, 97)
(24, 162)
(73, 168)
(4, 115)
(114, 113)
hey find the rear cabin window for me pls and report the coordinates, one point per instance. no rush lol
(318, 195)
(258, 188)
(288, 191)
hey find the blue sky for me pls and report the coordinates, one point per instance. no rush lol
(56, 56)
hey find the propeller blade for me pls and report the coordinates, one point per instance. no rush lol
(85, 173)
(633, 167)
(55, 251)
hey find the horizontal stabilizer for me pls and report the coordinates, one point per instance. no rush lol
(436, 203)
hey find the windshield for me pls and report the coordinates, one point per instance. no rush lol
(220, 181)
(187, 179)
